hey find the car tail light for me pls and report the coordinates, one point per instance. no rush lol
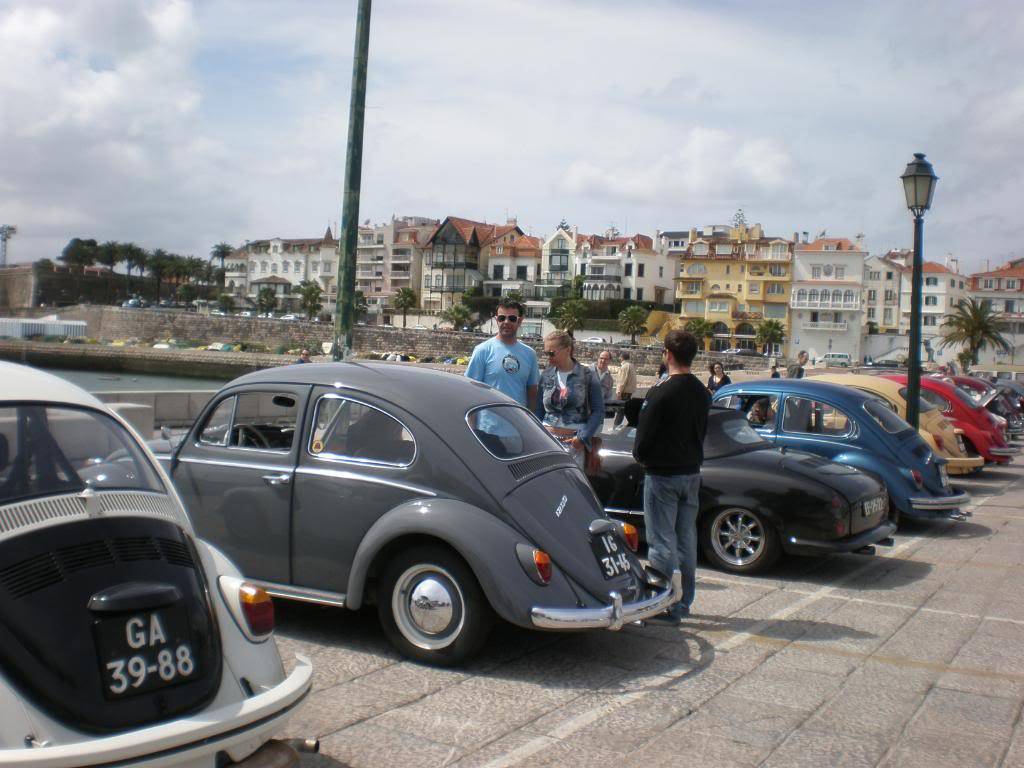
(632, 537)
(542, 562)
(837, 503)
(918, 477)
(250, 606)
(840, 527)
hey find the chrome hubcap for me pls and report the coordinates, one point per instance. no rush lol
(738, 536)
(430, 606)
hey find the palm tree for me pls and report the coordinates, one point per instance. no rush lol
(571, 315)
(159, 265)
(702, 329)
(132, 256)
(108, 255)
(771, 332)
(266, 299)
(974, 325)
(633, 320)
(404, 300)
(178, 270)
(78, 253)
(310, 293)
(359, 305)
(221, 251)
(457, 314)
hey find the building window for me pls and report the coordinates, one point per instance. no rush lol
(629, 271)
(723, 250)
(273, 268)
(1010, 284)
(639, 294)
(776, 270)
(626, 293)
(890, 295)
(700, 249)
(522, 272)
(931, 301)
(754, 287)
(871, 313)
(874, 275)
(696, 269)
(263, 266)
(801, 295)
(284, 267)
(274, 249)
(661, 271)
(931, 281)
(872, 295)
(298, 267)
(848, 297)
(776, 289)
(499, 271)
(639, 271)
(816, 273)
(887, 316)
(888, 275)
(314, 266)
(930, 320)
(252, 266)
(987, 284)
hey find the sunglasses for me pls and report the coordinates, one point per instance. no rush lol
(551, 352)
(509, 318)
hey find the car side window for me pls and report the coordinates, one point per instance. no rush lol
(263, 421)
(802, 415)
(761, 410)
(349, 430)
(218, 426)
(935, 399)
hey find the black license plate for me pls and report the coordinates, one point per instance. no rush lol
(612, 555)
(144, 651)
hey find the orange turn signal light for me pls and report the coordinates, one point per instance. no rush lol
(631, 535)
(542, 562)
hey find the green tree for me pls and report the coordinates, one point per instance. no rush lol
(576, 291)
(133, 256)
(571, 315)
(220, 252)
(159, 264)
(77, 255)
(226, 302)
(975, 325)
(457, 314)
(108, 255)
(771, 332)
(359, 305)
(404, 300)
(186, 293)
(266, 299)
(310, 294)
(633, 320)
(702, 329)
(872, 327)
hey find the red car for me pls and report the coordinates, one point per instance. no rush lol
(979, 430)
(1002, 402)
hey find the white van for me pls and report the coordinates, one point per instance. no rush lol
(836, 359)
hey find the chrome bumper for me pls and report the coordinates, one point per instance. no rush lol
(939, 502)
(1008, 451)
(612, 616)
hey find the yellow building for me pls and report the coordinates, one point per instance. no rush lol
(732, 277)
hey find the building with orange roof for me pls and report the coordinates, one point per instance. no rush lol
(389, 257)
(942, 289)
(1003, 290)
(734, 277)
(826, 315)
(617, 266)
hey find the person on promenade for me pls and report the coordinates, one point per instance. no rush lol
(670, 447)
(504, 362)
(796, 370)
(304, 357)
(570, 402)
(775, 372)
(604, 374)
(625, 384)
(718, 378)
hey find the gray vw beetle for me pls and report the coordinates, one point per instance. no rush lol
(432, 495)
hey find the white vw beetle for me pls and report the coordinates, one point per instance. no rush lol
(123, 638)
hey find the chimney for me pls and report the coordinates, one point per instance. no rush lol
(575, 233)
(511, 221)
(693, 234)
(805, 236)
(796, 238)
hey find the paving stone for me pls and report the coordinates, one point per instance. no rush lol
(929, 636)
(815, 749)
(330, 709)
(861, 708)
(368, 745)
(683, 746)
(797, 688)
(732, 717)
(953, 749)
(974, 714)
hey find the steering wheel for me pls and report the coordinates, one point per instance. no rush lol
(254, 436)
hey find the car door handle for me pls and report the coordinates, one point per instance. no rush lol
(282, 479)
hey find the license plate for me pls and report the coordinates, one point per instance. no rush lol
(877, 505)
(944, 476)
(144, 651)
(612, 555)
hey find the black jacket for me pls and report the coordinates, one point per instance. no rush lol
(673, 422)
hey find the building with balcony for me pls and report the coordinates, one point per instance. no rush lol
(942, 289)
(825, 297)
(283, 263)
(734, 277)
(389, 257)
(882, 290)
(615, 266)
(456, 258)
(1003, 290)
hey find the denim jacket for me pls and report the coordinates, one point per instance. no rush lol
(572, 411)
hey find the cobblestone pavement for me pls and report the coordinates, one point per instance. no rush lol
(912, 657)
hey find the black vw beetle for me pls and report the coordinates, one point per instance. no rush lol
(756, 501)
(435, 496)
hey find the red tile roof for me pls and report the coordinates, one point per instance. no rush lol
(840, 243)
(1007, 270)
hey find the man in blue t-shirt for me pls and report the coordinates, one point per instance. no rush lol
(505, 363)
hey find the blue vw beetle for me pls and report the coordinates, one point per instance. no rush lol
(850, 427)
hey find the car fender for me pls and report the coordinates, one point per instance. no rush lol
(484, 541)
(897, 486)
(743, 501)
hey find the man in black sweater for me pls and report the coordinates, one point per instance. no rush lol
(670, 446)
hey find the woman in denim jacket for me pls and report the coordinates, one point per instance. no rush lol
(563, 394)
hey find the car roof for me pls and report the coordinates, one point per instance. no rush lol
(23, 382)
(445, 395)
(887, 387)
(808, 387)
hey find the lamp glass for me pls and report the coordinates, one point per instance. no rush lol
(919, 183)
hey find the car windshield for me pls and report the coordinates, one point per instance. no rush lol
(48, 450)
(510, 432)
(883, 414)
(730, 433)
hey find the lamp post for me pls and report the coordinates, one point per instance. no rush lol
(919, 186)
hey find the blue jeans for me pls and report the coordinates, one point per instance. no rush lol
(670, 519)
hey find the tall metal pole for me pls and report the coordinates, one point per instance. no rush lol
(914, 359)
(344, 308)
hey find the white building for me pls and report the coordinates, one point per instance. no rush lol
(825, 298)
(614, 266)
(1003, 290)
(882, 291)
(941, 290)
(282, 263)
(389, 257)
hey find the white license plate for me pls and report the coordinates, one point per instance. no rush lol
(944, 476)
(875, 506)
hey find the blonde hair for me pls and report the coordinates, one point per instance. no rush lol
(561, 338)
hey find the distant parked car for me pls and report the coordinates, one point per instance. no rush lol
(218, 313)
(244, 313)
(835, 360)
(437, 498)
(854, 428)
(419, 327)
(593, 340)
(134, 304)
(289, 316)
(124, 638)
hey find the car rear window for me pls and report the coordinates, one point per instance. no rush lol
(729, 434)
(509, 432)
(886, 419)
(923, 402)
(46, 451)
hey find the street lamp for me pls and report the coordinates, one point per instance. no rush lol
(919, 185)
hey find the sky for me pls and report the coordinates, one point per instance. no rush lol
(179, 124)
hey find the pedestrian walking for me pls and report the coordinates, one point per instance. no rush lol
(718, 378)
(625, 384)
(604, 374)
(504, 362)
(796, 370)
(775, 372)
(570, 403)
(303, 357)
(670, 447)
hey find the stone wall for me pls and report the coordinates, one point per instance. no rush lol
(17, 287)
